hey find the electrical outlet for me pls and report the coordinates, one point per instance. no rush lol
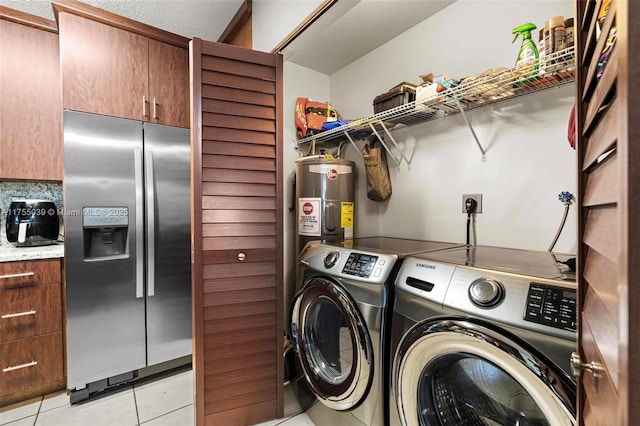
(477, 197)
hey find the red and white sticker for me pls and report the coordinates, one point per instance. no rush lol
(332, 174)
(309, 216)
(307, 208)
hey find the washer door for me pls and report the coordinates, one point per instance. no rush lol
(454, 372)
(333, 344)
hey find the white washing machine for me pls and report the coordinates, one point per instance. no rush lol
(339, 324)
(482, 336)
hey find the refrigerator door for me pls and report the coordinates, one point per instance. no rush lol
(104, 255)
(167, 156)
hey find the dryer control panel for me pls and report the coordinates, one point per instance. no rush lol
(551, 305)
(360, 265)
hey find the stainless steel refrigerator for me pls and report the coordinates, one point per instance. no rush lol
(127, 248)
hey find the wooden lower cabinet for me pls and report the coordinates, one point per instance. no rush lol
(32, 366)
(31, 330)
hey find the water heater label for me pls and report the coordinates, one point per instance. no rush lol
(346, 216)
(309, 216)
(331, 169)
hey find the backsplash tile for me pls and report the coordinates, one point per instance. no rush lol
(35, 190)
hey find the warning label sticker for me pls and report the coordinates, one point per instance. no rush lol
(309, 216)
(346, 220)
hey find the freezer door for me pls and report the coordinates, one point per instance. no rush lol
(104, 257)
(168, 235)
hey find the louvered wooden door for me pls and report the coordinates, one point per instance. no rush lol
(608, 124)
(237, 234)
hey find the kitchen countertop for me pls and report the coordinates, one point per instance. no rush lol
(10, 253)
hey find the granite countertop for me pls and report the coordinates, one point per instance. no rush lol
(10, 253)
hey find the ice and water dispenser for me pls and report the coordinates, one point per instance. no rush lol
(105, 232)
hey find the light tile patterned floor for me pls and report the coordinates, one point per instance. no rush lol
(164, 401)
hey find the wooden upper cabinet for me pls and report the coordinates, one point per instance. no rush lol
(121, 68)
(104, 69)
(30, 109)
(168, 84)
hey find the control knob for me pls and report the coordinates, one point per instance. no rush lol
(331, 259)
(486, 292)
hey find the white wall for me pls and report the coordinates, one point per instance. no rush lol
(297, 80)
(529, 161)
(273, 20)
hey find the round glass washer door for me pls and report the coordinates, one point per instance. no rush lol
(453, 372)
(333, 344)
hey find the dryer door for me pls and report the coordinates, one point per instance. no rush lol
(460, 372)
(332, 342)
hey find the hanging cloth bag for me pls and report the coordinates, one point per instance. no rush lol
(375, 162)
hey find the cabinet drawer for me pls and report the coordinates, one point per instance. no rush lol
(19, 274)
(31, 363)
(30, 311)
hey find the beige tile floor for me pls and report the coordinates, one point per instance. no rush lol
(163, 401)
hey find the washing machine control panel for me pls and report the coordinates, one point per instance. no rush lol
(360, 265)
(551, 305)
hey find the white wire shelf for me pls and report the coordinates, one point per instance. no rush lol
(559, 69)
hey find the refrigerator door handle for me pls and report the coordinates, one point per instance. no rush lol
(137, 169)
(151, 225)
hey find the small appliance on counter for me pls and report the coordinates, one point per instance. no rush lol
(32, 223)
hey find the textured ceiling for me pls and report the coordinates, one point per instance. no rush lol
(206, 19)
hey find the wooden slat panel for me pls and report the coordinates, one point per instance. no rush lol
(603, 93)
(601, 231)
(230, 339)
(238, 269)
(239, 149)
(235, 122)
(238, 216)
(223, 353)
(234, 311)
(239, 324)
(225, 79)
(601, 273)
(219, 50)
(238, 229)
(604, 329)
(238, 95)
(237, 297)
(240, 383)
(238, 189)
(235, 135)
(240, 171)
(593, 60)
(603, 137)
(243, 416)
(216, 285)
(232, 365)
(246, 400)
(238, 203)
(220, 243)
(243, 68)
(237, 108)
(600, 392)
(247, 176)
(242, 163)
(602, 184)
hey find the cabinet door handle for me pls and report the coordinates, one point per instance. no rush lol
(19, 314)
(144, 106)
(18, 367)
(155, 109)
(22, 274)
